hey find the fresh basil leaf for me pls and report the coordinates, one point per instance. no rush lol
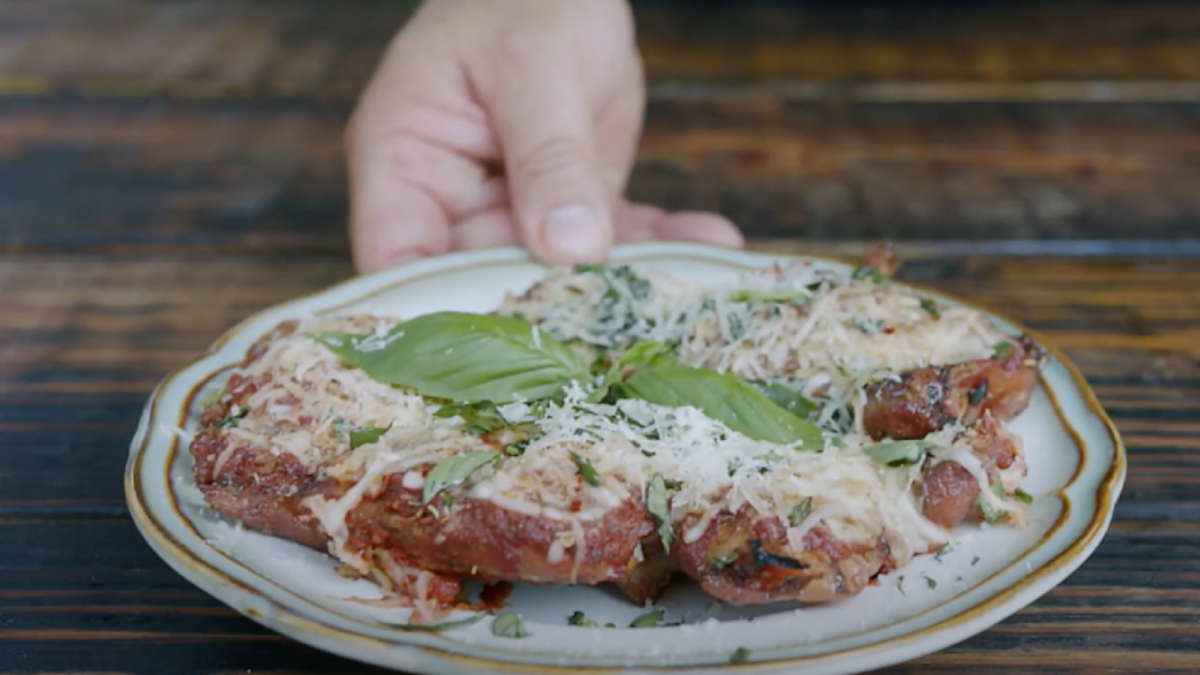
(800, 512)
(725, 398)
(480, 418)
(785, 397)
(437, 627)
(646, 353)
(454, 470)
(366, 435)
(580, 619)
(656, 504)
(1023, 496)
(751, 295)
(652, 619)
(740, 655)
(991, 514)
(586, 470)
(930, 306)
(896, 453)
(509, 625)
(462, 357)
(1002, 349)
(865, 326)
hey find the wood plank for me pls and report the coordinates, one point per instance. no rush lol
(328, 50)
(168, 176)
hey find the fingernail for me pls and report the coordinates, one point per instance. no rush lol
(576, 232)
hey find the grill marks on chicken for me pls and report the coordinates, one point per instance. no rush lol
(921, 401)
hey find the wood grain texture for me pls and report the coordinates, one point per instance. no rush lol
(326, 50)
(267, 176)
(169, 168)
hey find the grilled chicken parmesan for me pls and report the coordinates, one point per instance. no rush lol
(789, 436)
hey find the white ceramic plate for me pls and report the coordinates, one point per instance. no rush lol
(1076, 470)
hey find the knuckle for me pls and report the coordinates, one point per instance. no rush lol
(554, 158)
(521, 47)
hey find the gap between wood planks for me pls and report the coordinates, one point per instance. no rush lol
(1097, 91)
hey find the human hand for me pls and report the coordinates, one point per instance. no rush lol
(500, 122)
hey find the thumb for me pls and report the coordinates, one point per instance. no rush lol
(543, 118)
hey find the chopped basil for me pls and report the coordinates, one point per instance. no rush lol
(656, 504)
(1002, 349)
(941, 552)
(462, 357)
(740, 655)
(509, 625)
(652, 619)
(586, 470)
(897, 453)
(930, 582)
(977, 395)
(623, 288)
(341, 428)
(900, 585)
(515, 449)
(725, 398)
(481, 417)
(930, 306)
(720, 562)
(767, 559)
(437, 627)
(751, 295)
(610, 625)
(737, 327)
(865, 326)
(800, 512)
(454, 470)
(366, 435)
(991, 514)
(236, 413)
(579, 619)
(974, 560)
(211, 397)
(1023, 496)
(871, 273)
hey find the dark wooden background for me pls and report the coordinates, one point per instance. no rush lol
(167, 168)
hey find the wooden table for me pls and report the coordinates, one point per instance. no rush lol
(168, 168)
